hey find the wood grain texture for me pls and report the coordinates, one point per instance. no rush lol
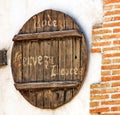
(53, 59)
(3, 57)
(47, 35)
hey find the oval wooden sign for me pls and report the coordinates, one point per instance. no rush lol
(49, 59)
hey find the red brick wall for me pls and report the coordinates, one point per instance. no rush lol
(105, 96)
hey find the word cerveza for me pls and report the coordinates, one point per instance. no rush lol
(48, 63)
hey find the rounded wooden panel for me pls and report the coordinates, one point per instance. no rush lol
(49, 59)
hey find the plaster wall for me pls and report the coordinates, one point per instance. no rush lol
(13, 14)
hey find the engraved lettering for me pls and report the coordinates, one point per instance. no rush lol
(54, 23)
(17, 59)
(67, 72)
(75, 71)
(46, 62)
(53, 71)
(39, 60)
(62, 71)
(34, 59)
(49, 22)
(49, 64)
(71, 71)
(51, 60)
(24, 61)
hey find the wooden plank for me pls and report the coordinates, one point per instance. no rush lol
(47, 35)
(26, 61)
(69, 65)
(58, 95)
(46, 93)
(47, 21)
(3, 57)
(39, 98)
(32, 25)
(62, 59)
(32, 97)
(46, 60)
(54, 60)
(40, 65)
(84, 58)
(54, 21)
(47, 85)
(76, 58)
(33, 61)
(25, 28)
(39, 22)
(17, 62)
(33, 58)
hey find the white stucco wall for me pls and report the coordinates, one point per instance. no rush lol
(13, 14)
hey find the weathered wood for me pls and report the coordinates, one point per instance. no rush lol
(3, 57)
(59, 95)
(46, 93)
(47, 35)
(40, 67)
(69, 53)
(33, 53)
(53, 59)
(17, 61)
(47, 85)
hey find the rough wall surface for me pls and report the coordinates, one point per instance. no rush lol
(13, 14)
(105, 95)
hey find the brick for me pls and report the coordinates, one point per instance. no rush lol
(116, 18)
(110, 1)
(106, 61)
(96, 110)
(112, 24)
(112, 36)
(107, 7)
(106, 79)
(111, 55)
(104, 31)
(111, 48)
(116, 42)
(97, 26)
(108, 19)
(109, 13)
(110, 113)
(99, 97)
(115, 84)
(100, 85)
(107, 67)
(95, 113)
(113, 102)
(95, 92)
(116, 30)
(115, 77)
(104, 73)
(116, 60)
(115, 72)
(101, 43)
(94, 104)
(98, 37)
(116, 108)
(110, 90)
(117, 6)
(114, 96)
(96, 50)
